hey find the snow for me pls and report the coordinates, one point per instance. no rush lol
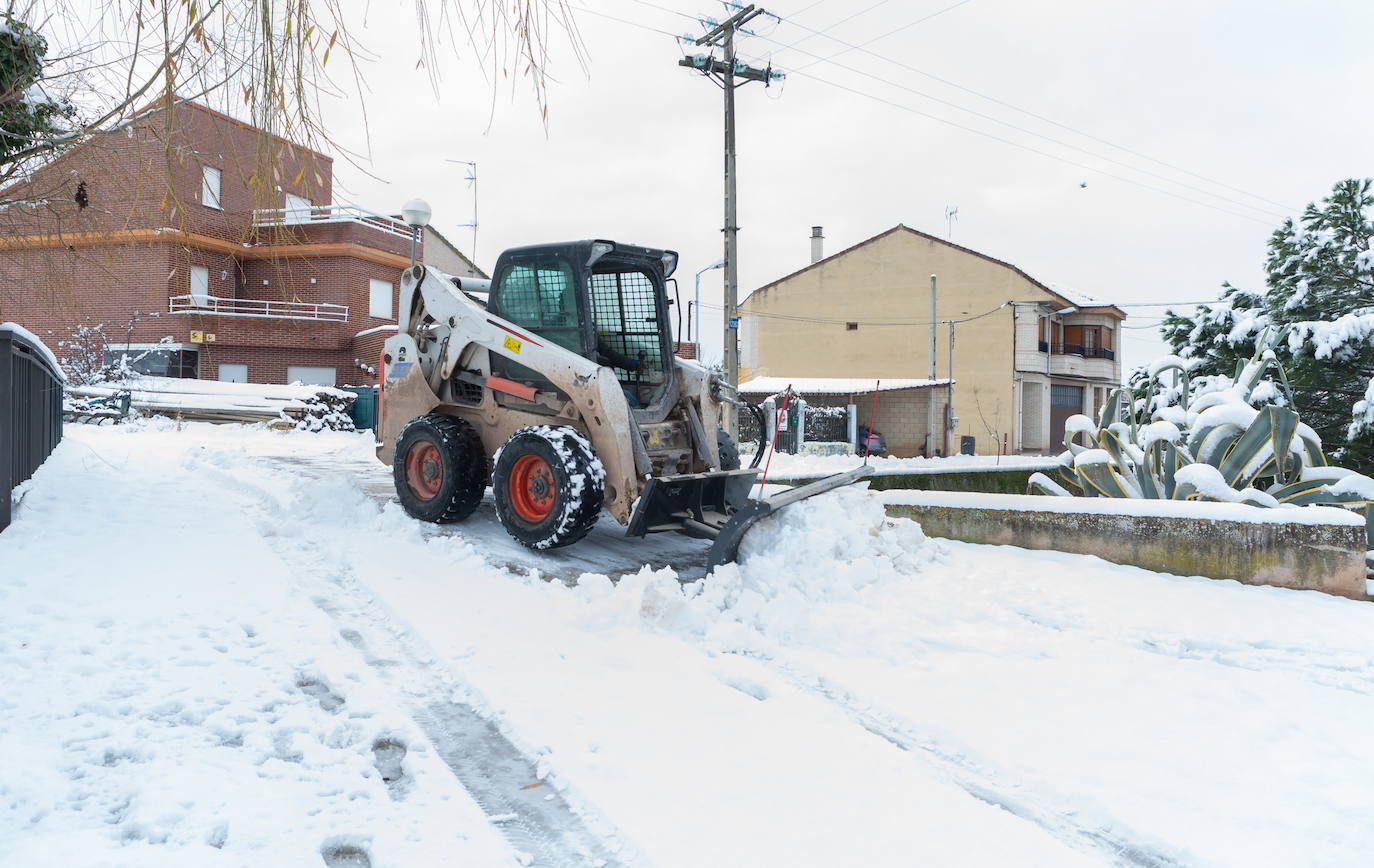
(1201, 509)
(1164, 363)
(376, 330)
(851, 693)
(1161, 431)
(803, 466)
(1081, 299)
(1080, 424)
(43, 350)
(831, 385)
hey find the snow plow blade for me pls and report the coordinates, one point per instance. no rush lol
(726, 547)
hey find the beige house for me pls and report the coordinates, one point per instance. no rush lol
(1026, 355)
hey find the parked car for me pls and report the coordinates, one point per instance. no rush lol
(876, 445)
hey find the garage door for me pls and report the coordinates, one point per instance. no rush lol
(310, 376)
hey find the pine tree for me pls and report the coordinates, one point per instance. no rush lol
(1317, 313)
(28, 114)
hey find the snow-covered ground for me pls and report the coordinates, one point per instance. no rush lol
(226, 646)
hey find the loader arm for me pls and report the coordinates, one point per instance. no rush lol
(443, 334)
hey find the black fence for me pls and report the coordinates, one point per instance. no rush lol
(30, 411)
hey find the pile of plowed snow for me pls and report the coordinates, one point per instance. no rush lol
(837, 548)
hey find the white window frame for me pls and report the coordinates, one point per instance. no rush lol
(210, 187)
(379, 291)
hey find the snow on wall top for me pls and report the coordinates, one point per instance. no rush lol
(831, 385)
(1129, 506)
(32, 338)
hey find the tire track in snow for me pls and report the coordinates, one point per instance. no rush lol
(1116, 843)
(533, 816)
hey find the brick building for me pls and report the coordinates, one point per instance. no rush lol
(166, 228)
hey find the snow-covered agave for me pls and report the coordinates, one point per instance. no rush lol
(1235, 442)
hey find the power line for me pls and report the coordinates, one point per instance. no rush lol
(1031, 132)
(920, 20)
(876, 322)
(974, 130)
(1034, 150)
(861, 48)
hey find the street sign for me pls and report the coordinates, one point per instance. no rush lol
(734, 322)
(209, 337)
(197, 337)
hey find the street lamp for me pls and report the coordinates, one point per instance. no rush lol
(696, 314)
(415, 212)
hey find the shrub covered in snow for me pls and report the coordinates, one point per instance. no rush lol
(1233, 440)
(1316, 314)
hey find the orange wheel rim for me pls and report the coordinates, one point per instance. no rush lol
(531, 488)
(424, 470)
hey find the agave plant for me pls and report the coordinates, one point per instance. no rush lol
(1217, 446)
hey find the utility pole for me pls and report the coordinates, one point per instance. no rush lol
(729, 74)
(930, 391)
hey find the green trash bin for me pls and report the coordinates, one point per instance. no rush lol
(364, 410)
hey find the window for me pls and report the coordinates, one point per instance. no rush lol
(233, 373)
(541, 297)
(209, 187)
(379, 298)
(851, 326)
(1066, 396)
(200, 286)
(310, 376)
(625, 312)
(155, 360)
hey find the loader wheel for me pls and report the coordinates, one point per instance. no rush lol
(729, 452)
(439, 468)
(548, 485)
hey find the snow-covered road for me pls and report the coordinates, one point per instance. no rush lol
(226, 646)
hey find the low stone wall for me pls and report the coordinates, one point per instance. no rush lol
(1322, 549)
(989, 481)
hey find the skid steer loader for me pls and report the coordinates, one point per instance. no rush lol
(562, 391)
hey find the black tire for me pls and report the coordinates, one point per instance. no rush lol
(549, 486)
(729, 452)
(439, 469)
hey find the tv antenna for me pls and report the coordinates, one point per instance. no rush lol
(472, 182)
(951, 215)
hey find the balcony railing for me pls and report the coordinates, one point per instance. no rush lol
(264, 217)
(209, 305)
(1077, 350)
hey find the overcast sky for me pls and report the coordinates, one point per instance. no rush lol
(1267, 101)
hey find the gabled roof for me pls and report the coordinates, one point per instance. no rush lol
(460, 254)
(1068, 298)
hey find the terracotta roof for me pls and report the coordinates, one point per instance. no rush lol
(1071, 299)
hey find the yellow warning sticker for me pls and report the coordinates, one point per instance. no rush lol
(512, 344)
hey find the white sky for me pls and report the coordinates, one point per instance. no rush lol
(1263, 96)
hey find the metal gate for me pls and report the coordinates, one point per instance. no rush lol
(30, 410)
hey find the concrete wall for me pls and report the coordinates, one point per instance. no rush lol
(1307, 556)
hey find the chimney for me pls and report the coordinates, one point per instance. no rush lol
(817, 244)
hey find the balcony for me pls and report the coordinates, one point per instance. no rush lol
(326, 214)
(1077, 350)
(209, 305)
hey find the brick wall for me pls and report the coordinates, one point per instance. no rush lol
(148, 176)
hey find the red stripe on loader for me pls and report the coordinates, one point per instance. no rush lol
(510, 387)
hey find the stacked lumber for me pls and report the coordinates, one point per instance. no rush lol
(312, 408)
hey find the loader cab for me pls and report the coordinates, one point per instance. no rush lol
(605, 301)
